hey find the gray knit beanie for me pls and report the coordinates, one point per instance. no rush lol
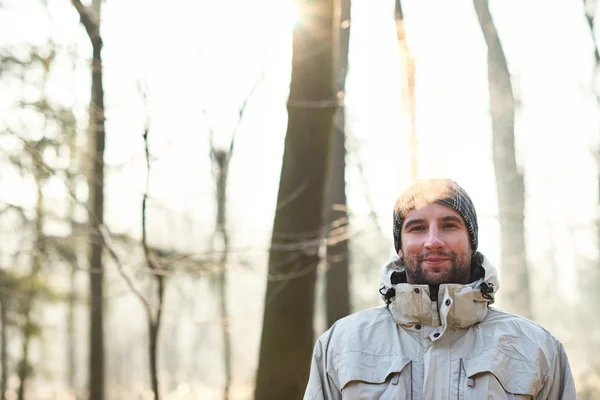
(442, 191)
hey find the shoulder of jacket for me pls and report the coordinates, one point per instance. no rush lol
(521, 327)
(360, 324)
(495, 316)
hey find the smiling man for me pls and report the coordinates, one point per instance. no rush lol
(437, 336)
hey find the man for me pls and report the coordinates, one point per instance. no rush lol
(437, 337)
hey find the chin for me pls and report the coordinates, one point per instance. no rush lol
(437, 279)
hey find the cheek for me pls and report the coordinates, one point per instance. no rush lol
(459, 242)
(410, 248)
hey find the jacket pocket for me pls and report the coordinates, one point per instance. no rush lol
(496, 375)
(366, 376)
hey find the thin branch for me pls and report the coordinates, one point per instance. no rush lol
(590, 12)
(149, 261)
(368, 198)
(89, 20)
(101, 230)
(243, 110)
(105, 235)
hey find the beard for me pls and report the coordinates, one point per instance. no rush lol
(459, 272)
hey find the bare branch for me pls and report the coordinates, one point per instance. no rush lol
(368, 198)
(105, 235)
(590, 6)
(102, 230)
(243, 110)
(149, 260)
(89, 20)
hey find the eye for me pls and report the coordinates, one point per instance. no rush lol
(449, 225)
(416, 229)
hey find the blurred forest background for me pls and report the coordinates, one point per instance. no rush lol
(192, 191)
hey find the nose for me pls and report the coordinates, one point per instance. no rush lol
(434, 240)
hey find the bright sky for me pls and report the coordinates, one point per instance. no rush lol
(200, 59)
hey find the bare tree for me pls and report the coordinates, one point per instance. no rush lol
(3, 338)
(337, 291)
(221, 159)
(590, 8)
(407, 64)
(509, 180)
(71, 254)
(27, 300)
(287, 335)
(158, 273)
(29, 328)
(589, 272)
(90, 19)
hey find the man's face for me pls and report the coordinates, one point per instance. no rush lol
(435, 246)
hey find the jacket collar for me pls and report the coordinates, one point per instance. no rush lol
(458, 305)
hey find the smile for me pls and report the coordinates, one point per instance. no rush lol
(435, 260)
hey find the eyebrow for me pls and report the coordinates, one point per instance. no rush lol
(452, 218)
(449, 218)
(412, 222)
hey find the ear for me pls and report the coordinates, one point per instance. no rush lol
(400, 253)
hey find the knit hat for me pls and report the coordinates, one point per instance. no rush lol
(442, 191)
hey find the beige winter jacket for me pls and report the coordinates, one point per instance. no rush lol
(455, 348)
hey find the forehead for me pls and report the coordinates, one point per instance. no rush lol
(431, 212)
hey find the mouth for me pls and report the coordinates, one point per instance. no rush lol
(435, 260)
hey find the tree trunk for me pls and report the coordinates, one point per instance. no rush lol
(287, 335)
(74, 261)
(28, 331)
(154, 320)
(590, 7)
(509, 181)
(90, 19)
(153, 331)
(23, 369)
(221, 159)
(71, 330)
(96, 185)
(337, 291)
(225, 327)
(408, 87)
(4, 346)
(153, 334)
(589, 272)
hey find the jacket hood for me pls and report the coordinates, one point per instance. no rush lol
(394, 265)
(458, 305)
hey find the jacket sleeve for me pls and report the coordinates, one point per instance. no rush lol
(321, 384)
(559, 383)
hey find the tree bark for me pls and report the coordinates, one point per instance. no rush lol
(154, 320)
(4, 345)
(337, 290)
(589, 272)
(28, 331)
(90, 19)
(71, 330)
(96, 186)
(590, 7)
(510, 186)
(408, 87)
(221, 159)
(287, 336)
(24, 367)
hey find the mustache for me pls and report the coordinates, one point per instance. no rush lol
(451, 255)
